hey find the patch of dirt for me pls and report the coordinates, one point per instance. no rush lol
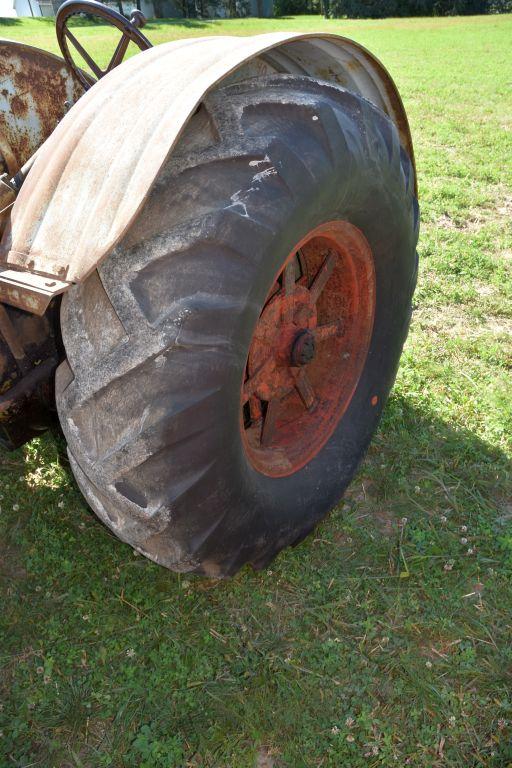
(504, 518)
(10, 565)
(505, 209)
(446, 222)
(478, 217)
(454, 321)
(499, 325)
(385, 521)
(265, 758)
(362, 490)
(365, 494)
(484, 290)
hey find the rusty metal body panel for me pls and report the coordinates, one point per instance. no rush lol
(36, 89)
(92, 176)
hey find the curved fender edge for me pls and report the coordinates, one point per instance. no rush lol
(91, 177)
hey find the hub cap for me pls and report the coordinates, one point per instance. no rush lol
(308, 349)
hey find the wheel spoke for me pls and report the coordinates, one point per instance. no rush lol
(119, 53)
(322, 276)
(289, 287)
(304, 388)
(269, 424)
(83, 53)
(323, 332)
(252, 384)
(289, 278)
(255, 409)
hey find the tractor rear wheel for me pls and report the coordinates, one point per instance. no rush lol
(228, 364)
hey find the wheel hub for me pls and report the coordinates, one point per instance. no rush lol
(279, 341)
(303, 349)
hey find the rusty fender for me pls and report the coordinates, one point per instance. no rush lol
(93, 174)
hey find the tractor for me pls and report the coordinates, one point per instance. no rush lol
(207, 265)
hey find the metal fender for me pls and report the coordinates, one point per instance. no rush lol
(91, 177)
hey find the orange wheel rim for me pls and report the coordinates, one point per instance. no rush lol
(308, 349)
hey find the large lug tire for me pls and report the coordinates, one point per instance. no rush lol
(161, 339)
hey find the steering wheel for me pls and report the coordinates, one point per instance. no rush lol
(130, 32)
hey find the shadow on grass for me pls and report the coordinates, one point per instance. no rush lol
(116, 633)
(458, 468)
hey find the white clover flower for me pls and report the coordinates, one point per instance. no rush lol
(428, 664)
(451, 721)
(471, 551)
(464, 529)
(463, 540)
(443, 519)
(350, 738)
(335, 730)
(130, 653)
(15, 507)
(349, 722)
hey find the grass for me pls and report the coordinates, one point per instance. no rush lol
(385, 638)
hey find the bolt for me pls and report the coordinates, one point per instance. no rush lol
(303, 350)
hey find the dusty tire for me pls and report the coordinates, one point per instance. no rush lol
(157, 340)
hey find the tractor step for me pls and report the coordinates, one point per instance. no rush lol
(27, 291)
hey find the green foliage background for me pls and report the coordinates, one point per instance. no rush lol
(377, 9)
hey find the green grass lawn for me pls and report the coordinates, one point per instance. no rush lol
(384, 639)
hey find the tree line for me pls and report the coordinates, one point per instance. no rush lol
(331, 9)
(377, 9)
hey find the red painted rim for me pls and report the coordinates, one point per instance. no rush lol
(308, 349)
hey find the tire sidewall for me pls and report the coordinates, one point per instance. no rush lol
(378, 206)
